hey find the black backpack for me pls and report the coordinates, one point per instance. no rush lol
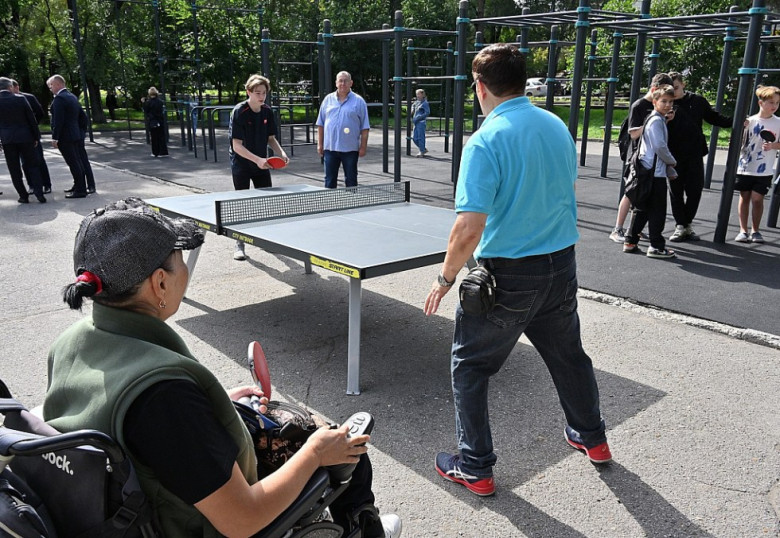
(624, 140)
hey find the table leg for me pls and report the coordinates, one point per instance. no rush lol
(192, 259)
(353, 337)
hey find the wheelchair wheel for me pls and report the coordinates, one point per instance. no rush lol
(323, 529)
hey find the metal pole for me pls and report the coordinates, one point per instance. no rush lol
(327, 37)
(265, 52)
(447, 96)
(552, 64)
(475, 108)
(609, 106)
(746, 74)
(639, 55)
(320, 67)
(385, 102)
(524, 31)
(762, 48)
(409, 73)
(579, 58)
(654, 61)
(588, 92)
(397, 91)
(728, 45)
(462, 25)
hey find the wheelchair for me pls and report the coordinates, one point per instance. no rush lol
(81, 484)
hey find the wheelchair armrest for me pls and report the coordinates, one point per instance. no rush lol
(361, 423)
(307, 503)
(19, 443)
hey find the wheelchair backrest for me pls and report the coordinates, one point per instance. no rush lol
(83, 478)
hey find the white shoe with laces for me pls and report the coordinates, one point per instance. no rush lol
(618, 235)
(392, 525)
(238, 253)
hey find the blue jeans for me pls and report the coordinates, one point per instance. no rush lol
(418, 136)
(334, 159)
(537, 296)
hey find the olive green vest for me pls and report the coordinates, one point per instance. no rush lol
(101, 364)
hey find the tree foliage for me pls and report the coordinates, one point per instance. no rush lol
(188, 47)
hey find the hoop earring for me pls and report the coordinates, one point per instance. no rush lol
(162, 304)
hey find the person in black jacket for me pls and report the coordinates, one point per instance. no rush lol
(111, 104)
(154, 109)
(66, 135)
(40, 114)
(688, 145)
(19, 135)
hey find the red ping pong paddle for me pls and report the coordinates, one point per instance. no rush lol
(767, 136)
(258, 366)
(276, 162)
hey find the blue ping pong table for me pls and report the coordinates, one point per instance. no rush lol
(359, 232)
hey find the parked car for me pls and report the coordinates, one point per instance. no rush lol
(535, 87)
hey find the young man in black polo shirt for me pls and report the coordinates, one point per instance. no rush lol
(252, 129)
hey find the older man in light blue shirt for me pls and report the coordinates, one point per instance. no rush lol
(342, 129)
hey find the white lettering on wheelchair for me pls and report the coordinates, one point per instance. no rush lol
(60, 462)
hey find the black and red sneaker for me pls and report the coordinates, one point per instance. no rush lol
(597, 454)
(448, 466)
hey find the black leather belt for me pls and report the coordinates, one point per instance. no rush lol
(512, 262)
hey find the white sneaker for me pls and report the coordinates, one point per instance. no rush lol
(680, 234)
(618, 235)
(392, 525)
(742, 237)
(662, 253)
(238, 253)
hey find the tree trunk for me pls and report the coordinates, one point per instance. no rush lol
(95, 103)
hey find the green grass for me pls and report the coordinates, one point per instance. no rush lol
(596, 124)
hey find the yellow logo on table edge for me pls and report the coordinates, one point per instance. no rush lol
(335, 267)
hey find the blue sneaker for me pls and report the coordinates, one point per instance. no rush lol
(596, 454)
(448, 466)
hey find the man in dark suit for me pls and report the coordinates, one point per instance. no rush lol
(66, 135)
(88, 174)
(40, 114)
(19, 135)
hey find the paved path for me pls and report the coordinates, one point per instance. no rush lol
(732, 283)
(691, 412)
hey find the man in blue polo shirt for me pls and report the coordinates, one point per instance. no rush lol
(517, 215)
(342, 131)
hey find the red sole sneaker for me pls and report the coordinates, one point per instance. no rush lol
(483, 487)
(597, 454)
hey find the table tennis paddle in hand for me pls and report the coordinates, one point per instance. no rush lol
(767, 136)
(258, 366)
(276, 162)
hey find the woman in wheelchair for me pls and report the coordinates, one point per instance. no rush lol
(125, 372)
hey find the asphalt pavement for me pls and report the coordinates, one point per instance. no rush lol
(686, 355)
